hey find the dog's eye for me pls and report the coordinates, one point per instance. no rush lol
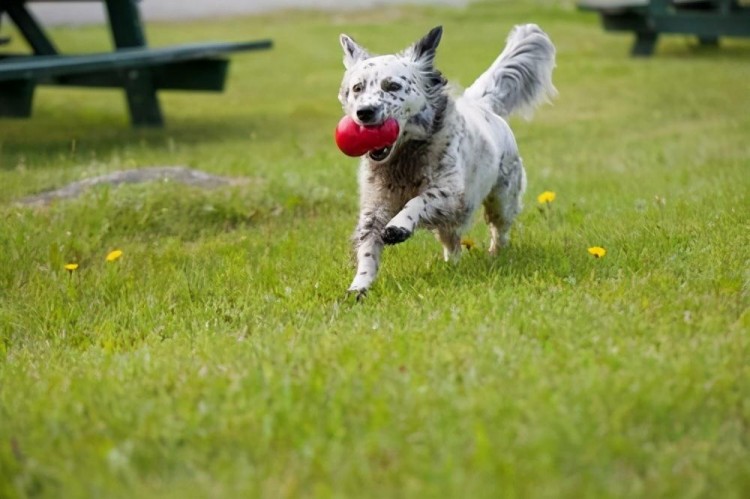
(357, 88)
(391, 86)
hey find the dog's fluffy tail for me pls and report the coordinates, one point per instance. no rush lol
(521, 77)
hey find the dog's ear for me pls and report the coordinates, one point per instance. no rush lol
(424, 50)
(353, 52)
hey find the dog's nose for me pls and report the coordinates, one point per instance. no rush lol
(366, 114)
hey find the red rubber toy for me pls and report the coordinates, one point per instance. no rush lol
(356, 140)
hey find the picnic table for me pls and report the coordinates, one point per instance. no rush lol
(707, 19)
(139, 70)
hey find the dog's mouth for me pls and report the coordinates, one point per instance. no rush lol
(376, 141)
(380, 154)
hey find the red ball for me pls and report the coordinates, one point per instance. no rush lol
(355, 140)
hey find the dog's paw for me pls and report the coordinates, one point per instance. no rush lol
(359, 294)
(395, 235)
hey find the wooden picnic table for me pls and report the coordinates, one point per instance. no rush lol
(133, 66)
(706, 19)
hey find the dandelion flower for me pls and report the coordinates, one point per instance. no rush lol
(114, 255)
(546, 197)
(468, 243)
(71, 266)
(597, 251)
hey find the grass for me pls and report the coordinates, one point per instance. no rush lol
(219, 357)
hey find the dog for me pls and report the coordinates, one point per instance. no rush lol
(453, 153)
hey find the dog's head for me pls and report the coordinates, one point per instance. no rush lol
(405, 86)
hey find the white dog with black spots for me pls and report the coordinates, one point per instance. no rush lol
(452, 154)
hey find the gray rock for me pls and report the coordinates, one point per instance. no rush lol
(179, 174)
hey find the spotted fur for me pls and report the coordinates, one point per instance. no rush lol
(452, 155)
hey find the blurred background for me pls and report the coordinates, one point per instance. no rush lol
(93, 12)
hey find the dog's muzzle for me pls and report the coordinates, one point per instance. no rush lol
(368, 115)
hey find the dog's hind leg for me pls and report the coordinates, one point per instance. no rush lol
(502, 205)
(499, 225)
(451, 241)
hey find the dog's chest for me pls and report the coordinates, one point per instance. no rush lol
(406, 176)
(399, 185)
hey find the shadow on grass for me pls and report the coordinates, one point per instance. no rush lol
(688, 49)
(520, 264)
(53, 138)
(695, 51)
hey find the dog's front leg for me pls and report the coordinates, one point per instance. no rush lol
(368, 246)
(434, 204)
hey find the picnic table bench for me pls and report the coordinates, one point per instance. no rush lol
(706, 19)
(133, 66)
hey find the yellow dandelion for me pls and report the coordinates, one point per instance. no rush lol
(71, 266)
(597, 251)
(468, 243)
(114, 255)
(546, 197)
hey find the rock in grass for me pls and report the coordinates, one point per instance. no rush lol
(181, 174)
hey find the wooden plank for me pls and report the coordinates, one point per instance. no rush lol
(33, 67)
(199, 75)
(611, 5)
(704, 24)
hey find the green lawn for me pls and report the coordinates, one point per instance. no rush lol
(219, 357)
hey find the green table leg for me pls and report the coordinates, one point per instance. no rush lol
(4, 40)
(645, 43)
(16, 98)
(127, 31)
(29, 27)
(709, 41)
